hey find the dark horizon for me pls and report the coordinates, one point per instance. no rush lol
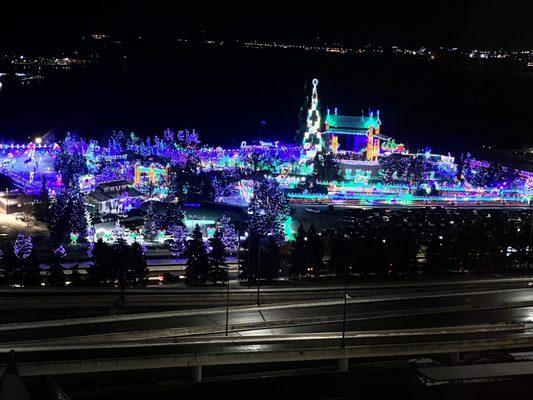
(480, 24)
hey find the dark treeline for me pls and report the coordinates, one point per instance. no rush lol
(368, 243)
(118, 265)
(430, 241)
(380, 242)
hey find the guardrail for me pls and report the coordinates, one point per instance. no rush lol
(199, 360)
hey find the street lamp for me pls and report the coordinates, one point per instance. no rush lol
(531, 226)
(343, 343)
(346, 272)
(238, 268)
(227, 290)
(258, 277)
(258, 272)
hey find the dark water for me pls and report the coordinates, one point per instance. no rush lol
(226, 93)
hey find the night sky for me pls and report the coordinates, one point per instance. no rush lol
(482, 23)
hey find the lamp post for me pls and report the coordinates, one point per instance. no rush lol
(531, 226)
(258, 272)
(345, 304)
(343, 342)
(238, 267)
(227, 298)
(258, 275)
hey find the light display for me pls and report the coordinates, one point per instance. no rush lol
(74, 236)
(153, 178)
(87, 183)
(179, 237)
(342, 160)
(268, 209)
(288, 229)
(23, 246)
(312, 141)
(229, 235)
(60, 252)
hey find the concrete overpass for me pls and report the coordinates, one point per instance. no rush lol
(68, 361)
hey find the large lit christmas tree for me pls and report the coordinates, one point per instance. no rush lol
(312, 140)
(268, 209)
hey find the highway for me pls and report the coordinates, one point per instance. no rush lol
(368, 310)
(172, 298)
(292, 326)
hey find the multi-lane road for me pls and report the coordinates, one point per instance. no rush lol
(186, 328)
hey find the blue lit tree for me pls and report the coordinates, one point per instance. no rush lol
(27, 262)
(179, 244)
(70, 164)
(78, 213)
(173, 218)
(58, 219)
(268, 209)
(23, 246)
(230, 236)
(67, 215)
(151, 223)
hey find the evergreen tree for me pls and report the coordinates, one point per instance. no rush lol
(75, 276)
(249, 258)
(271, 260)
(174, 217)
(217, 259)
(55, 274)
(298, 254)
(179, 244)
(121, 263)
(230, 236)
(31, 273)
(137, 266)
(58, 219)
(78, 213)
(197, 270)
(10, 273)
(268, 209)
(150, 222)
(27, 270)
(101, 270)
(70, 165)
(23, 246)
